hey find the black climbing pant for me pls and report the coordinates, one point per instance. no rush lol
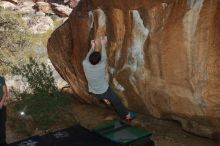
(111, 96)
(2, 125)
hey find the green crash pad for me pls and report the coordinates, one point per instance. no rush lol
(121, 133)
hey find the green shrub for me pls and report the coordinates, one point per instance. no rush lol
(39, 77)
(45, 104)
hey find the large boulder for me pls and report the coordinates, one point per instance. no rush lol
(163, 56)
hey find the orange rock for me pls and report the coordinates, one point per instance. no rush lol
(163, 56)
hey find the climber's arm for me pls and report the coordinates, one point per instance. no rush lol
(103, 43)
(90, 51)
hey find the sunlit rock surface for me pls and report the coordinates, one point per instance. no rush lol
(61, 10)
(7, 5)
(163, 56)
(43, 7)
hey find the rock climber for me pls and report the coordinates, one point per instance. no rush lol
(94, 66)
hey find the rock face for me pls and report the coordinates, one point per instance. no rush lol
(163, 56)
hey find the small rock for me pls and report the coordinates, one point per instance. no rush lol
(13, 1)
(43, 7)
(61, 10)
(66, 1)
(73, 3)
(109, 118)
(40, 13)
(7, 5)
(39, 24)
(26, 8)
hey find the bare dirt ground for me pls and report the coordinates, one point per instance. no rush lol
(165, 133)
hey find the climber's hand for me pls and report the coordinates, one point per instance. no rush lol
(104, 40)
(93, 44)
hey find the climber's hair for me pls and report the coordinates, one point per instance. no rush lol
(95, 57)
